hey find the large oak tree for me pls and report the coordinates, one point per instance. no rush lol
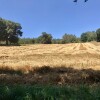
(9, 29)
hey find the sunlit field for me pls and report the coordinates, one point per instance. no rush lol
(76, 55)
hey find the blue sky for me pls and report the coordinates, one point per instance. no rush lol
(52, 16)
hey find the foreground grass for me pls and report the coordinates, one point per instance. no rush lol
(49, 83)
(81, 92)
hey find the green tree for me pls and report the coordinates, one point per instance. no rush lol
(92, 36)
(88, 36)
(45, 38)
(69, 38)
(33, 41)
(2, 29)
(9, 28)
(84, 37)
(12, 29)
(98, 35)
(13, 39)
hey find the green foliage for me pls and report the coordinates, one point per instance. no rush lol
(57, 41)
(45, 38)
(80, 92)
(9, 29)
(2, 29)
(84, 37)
(98, 35)
(13, 39)
(69, 38)
(27, 40)
(88, 36)
(33, 41)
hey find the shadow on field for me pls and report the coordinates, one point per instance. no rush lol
(10, 45)
(49, 75)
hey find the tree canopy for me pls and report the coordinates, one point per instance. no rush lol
(98, 35)
(45, 38)
(88, 36)
(69, 38)
(8, 30)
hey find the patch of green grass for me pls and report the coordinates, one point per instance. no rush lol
(81, 92)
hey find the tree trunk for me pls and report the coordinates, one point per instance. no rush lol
(6, 41)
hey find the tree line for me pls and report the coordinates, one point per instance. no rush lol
(10, 32)
(46, 38)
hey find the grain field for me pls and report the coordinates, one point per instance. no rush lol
(76, 55)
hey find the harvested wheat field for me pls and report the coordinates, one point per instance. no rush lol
(50, 63)
(77, 55)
